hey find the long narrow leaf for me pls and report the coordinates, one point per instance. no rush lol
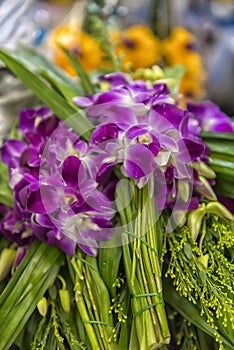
(6, 194)
(220, 146)
(84, 78)
(65, 90)
(6, 197)
(222, 166)
(26, 287)
(217, 136)
(53, 74)
(109, 267)
(39, 87)
(219, 142)
(39, 63)
(47, 95)
(224, 185)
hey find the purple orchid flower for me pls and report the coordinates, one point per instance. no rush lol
(125, 102)
(45, 230)
(207, 116)
(16, 229)
(37, 123)
(136, 157)
(116, 79)
(141, 149)
(11, 152)
(68, 197)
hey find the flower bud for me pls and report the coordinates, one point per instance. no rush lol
(194, 222)
(157, 73)
(42, 306)
(179, 217)
(7, 259)
(184, 191)
(65, 299)
(147, 73)
(204, 170)
(138, 73)
(220, 210)
(206, 189)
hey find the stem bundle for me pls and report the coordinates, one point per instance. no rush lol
(141, 254)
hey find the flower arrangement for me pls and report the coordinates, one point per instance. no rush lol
(115, 232)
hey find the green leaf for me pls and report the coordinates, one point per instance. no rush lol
(39, 64)
(47, 95)
(109, 267)
(224, 185)
(220, 146)
(202, 275)
(6, 194)
(224, 169)
(222, 156)
(100, 294)
(84, 78)
(188, 251)
(222, 160)
(219, 142)
(26, 287)
(217, 136)
(58, 85)
(222, 166)
(176, 73)
(51, 98)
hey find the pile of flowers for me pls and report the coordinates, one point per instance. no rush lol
(113, 236)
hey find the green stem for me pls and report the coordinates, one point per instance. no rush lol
(97, 318)
(152, 266)
(203, 234)
(81, 305)
(136, 242)
(156, 277)
(143, 272)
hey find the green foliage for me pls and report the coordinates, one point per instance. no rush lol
(25, 288)
(174, 74)
(85, 81)
(6, 194)
(203, 273)
(187, 336)
(221, 160)
(48, 95)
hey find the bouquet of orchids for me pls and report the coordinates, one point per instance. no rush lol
(117, 215)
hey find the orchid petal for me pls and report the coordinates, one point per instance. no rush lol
(72, 171)
(190, 150)
(139, 161)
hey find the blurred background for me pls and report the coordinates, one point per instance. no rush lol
(210, 21)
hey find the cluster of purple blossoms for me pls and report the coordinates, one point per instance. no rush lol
(142, 129)
(64, 187)
(55, 199)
